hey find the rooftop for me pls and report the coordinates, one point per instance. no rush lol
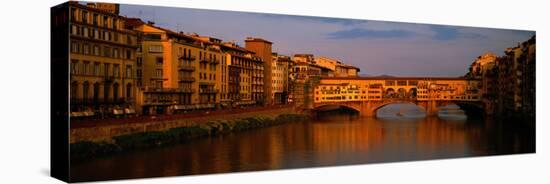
(252, 39)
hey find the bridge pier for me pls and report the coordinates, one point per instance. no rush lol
(431, 108)
(366, 109)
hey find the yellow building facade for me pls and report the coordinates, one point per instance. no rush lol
(102, 63)
(178, 72)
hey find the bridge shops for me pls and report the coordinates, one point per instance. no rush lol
(375, 92)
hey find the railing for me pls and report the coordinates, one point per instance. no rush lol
(208, 90)
(214, 61)
(187, 79)
(186, 67)
(188, 57)
(185, 90)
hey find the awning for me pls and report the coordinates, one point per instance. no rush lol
(129, 111)
(118, 111)
(82, 114)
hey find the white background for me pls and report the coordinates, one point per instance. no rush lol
(24, 91)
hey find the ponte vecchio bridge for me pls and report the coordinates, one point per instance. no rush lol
(368, 94)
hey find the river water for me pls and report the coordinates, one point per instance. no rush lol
(334, 138)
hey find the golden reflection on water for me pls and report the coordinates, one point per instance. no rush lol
(332, 140)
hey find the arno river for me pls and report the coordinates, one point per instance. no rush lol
(334, 138)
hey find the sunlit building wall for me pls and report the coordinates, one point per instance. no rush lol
(178, 72)
(245, 76)
(102, 62)
(262, 49)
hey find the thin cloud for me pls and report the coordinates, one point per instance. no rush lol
(366, 33)
(445, 33)
(337, 21)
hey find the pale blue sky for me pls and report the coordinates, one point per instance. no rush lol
(377, 47)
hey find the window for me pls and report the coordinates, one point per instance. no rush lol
(106, 51)
(73, 14)
(159, 61)
(74, 67)
(115, 91)
(139, 60)
(128, 91)
(401, 83)
(105, 21)
(106, 36)
(96, 50)
(129, 71)
(152, 37)
(106, 69)
(74, 30)
(128, 54)
(158, 84)
(158, 73)
(86, 49)
(155, 48)
(106, 92)
(85, 17)
(115, 37)
(92, 33)
(129, 39)
(115, 53)
(116, 70)
(74, 89)
(114, 24)
(85, 90)
(85, 32)
(96, 69)
(94, 21)
(138, 73)
(75, 47)
(96, 92)
(86, 68)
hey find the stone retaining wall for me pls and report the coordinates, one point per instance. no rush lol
(106, 133)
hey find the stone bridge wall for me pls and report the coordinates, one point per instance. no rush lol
(369, 108)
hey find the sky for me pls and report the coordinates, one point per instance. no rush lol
(376, 47)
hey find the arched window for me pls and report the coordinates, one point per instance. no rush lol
(74, 89)
(85, 90)
(115, 92)
(128, 91)
(106, 90)
(96, 92)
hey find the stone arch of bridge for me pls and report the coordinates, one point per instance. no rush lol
(379, 106)
(470, 108)
(352, 106)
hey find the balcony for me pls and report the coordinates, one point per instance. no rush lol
(187, 90)
(206, 90)
(213, 61)
(187, 79)
(158, 78)
(186, 68)
(188, 57)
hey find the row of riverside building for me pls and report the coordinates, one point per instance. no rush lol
(508, 81)
(125, 66)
